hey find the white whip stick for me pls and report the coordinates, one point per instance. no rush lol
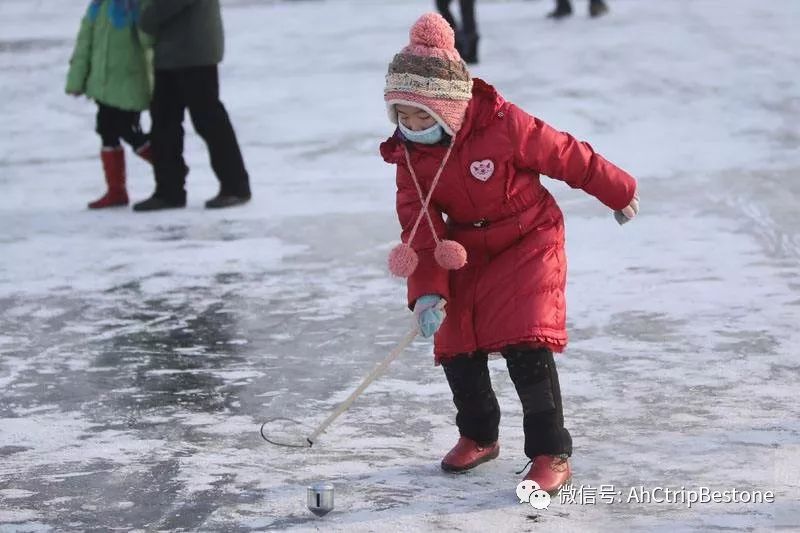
(376, 372)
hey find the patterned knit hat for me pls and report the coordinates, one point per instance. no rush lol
(429, 74)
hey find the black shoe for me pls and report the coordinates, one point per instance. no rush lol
(226, 200)
(597, 8)
(563, 9)
(156, 203)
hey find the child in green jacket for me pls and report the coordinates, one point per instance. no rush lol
(110, 66)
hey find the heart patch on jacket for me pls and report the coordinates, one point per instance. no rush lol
(482, 170)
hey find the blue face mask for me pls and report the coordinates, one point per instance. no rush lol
(431, 135)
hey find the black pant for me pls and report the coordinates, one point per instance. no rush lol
(567, 3)
(469, 26)
(477, 410)
(533, 372)
(113, 124)
(195, 88)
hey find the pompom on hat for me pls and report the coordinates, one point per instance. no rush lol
(430, 74)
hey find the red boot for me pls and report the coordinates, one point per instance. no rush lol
(468, 454)
(145, 151)
(551, 472)
(114, 169)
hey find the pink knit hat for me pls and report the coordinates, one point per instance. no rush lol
(429, 74)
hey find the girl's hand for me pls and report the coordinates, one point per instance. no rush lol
(627, 213)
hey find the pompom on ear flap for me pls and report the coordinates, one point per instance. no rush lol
(403, 260)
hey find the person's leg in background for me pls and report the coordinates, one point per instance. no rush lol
(212, 123)
(597, 8)
(469, 32)
(563, 9)
(167, 110)
(444, 9)
(131, 132)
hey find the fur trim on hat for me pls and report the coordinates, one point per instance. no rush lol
(392, 111)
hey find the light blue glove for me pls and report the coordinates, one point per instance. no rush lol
(429, 313)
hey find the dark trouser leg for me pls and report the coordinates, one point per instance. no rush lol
(106, 125)
(597, 8)
(478, 413)
(167, 109)
(131, 130)
(444, 9)
(211, 121)
(563, 9)
(533, 372)
(114, 123)
(468, 22)
(467, 38)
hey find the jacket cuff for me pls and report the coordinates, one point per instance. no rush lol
(75, 84)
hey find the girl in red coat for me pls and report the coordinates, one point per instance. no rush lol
(483, 236)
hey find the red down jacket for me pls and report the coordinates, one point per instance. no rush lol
(512, 289)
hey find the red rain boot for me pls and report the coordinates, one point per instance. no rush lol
(145, 151)
(551, 472)
(114, 168)
(468, 454)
